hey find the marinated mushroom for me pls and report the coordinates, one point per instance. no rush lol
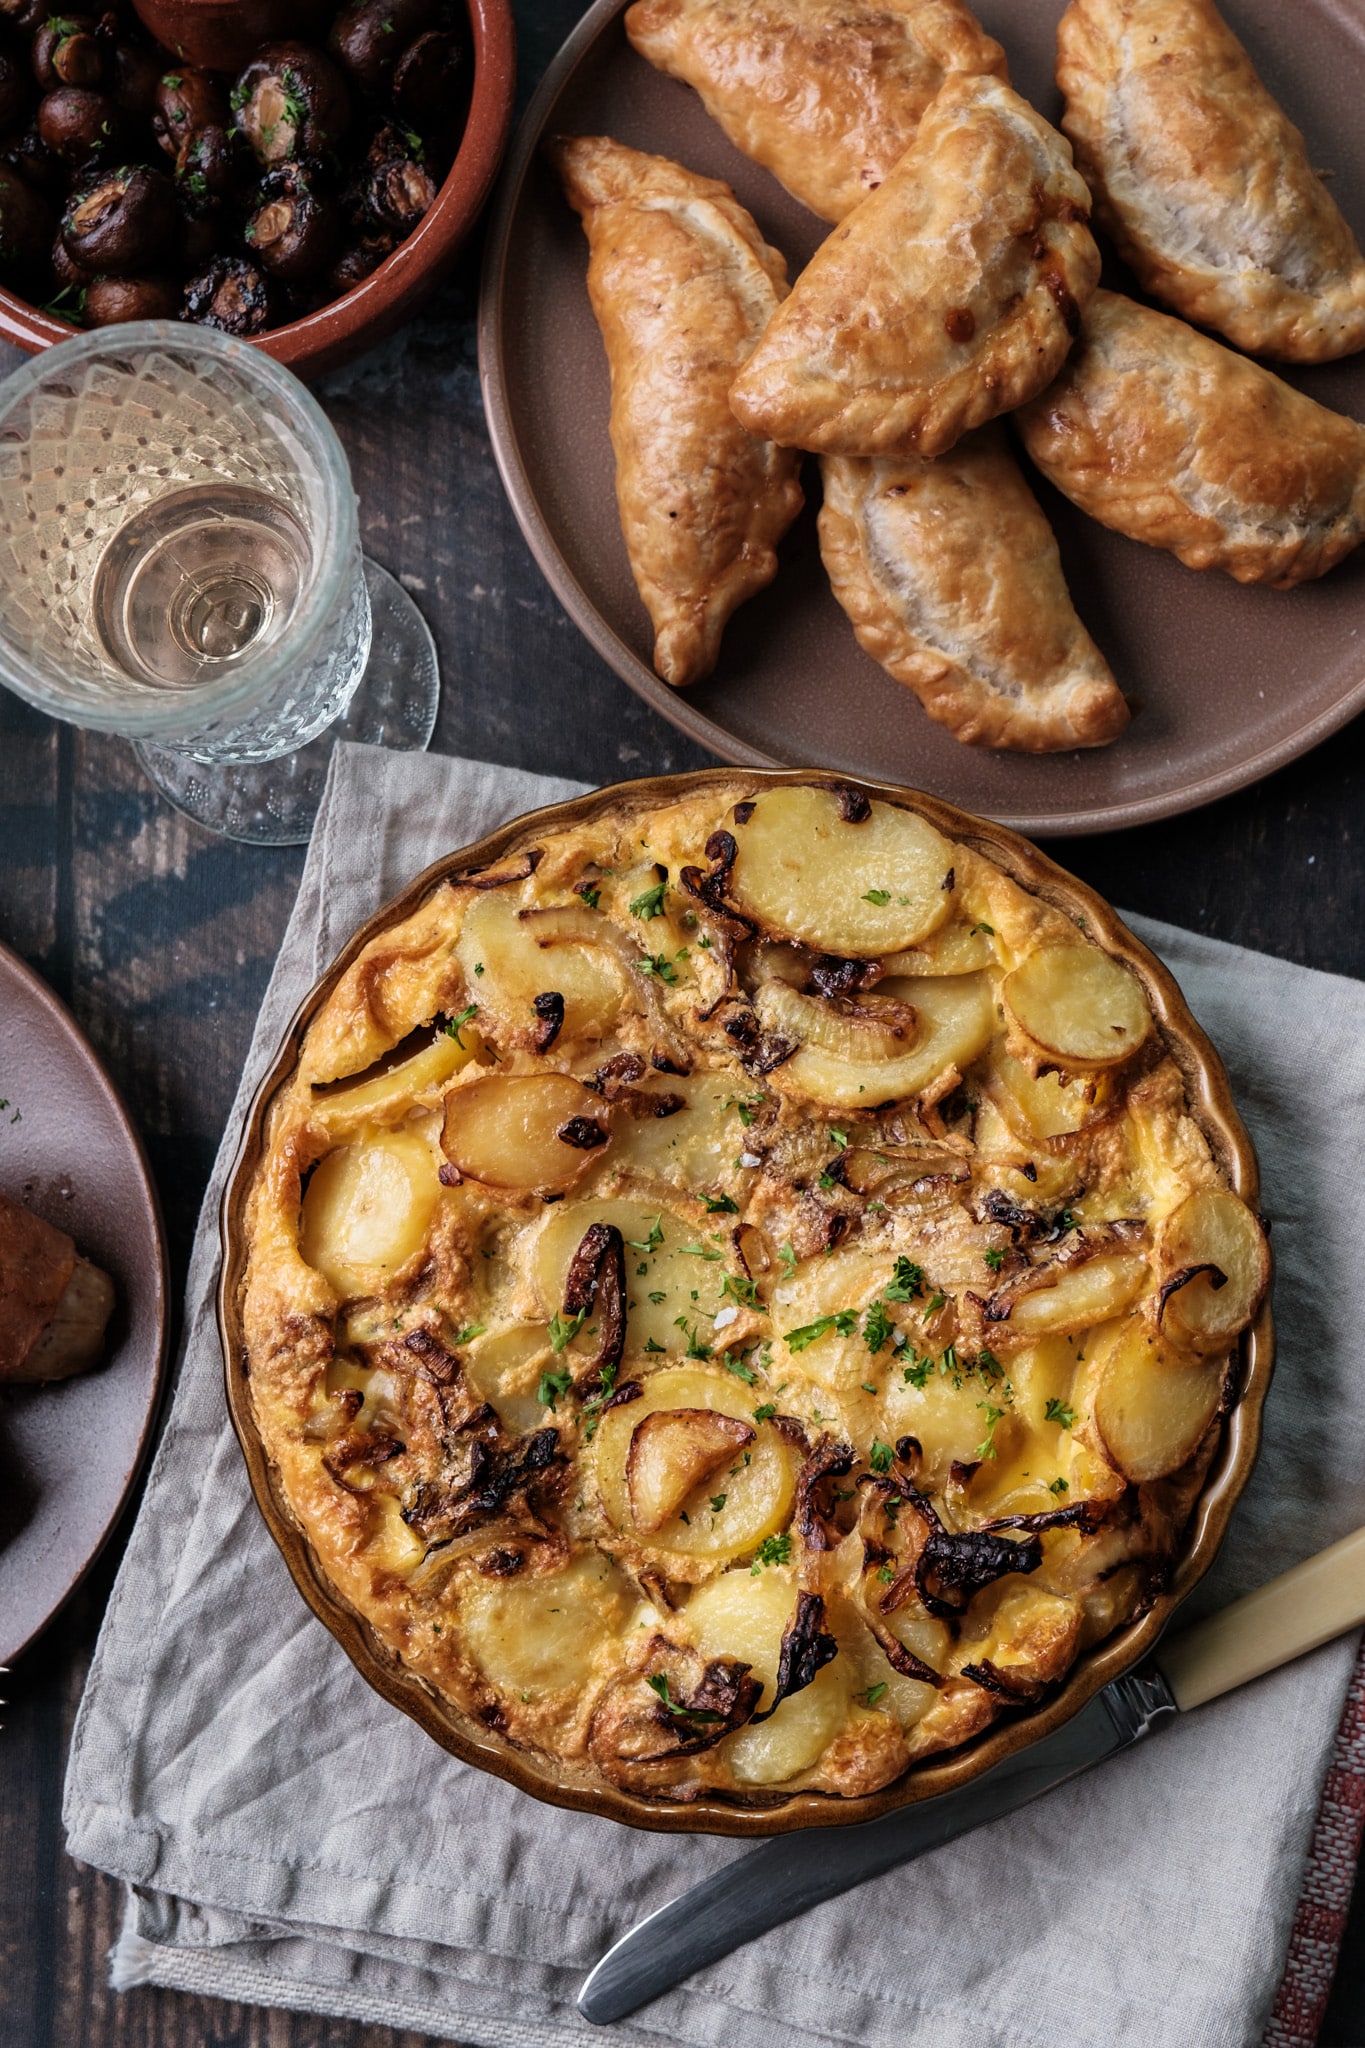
(398, 189)
(360, 260)
(121, 224)
(295, 231)
(136, 75)
(206, 169)
(25, 228)
(427, 80)
(369, 37)
(69, 274)
(291, 103)
(186, 100)
(30, 159)
(111, 299)
(76, 124)
(66, 51)
(232, 295)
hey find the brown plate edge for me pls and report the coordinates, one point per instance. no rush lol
(1210, 1100)
(66, 1023)
(670, 703)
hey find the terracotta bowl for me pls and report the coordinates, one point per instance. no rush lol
(1210, 1101)
(403, 280)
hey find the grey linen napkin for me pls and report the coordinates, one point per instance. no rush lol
(290, 1839)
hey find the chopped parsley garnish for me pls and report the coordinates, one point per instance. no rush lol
(877, 1327)
(657, 1295)
(766, 1412)
(737, 1366)
(986, 1448)
(939, 1301)
(845, 1322)
(1057, 1411)
(552, 1385)
(994, 1259)
(695, 1347)
(651, 903)
(700, 1251)
(874, 1693)
(772, 1550)
(650, 1344)
(718, 1501)
(738, 1287)
(788, 1258)
(881, 897)
(988, 929)
(452, 1025)
(720, 1205)
(655, 963)
(591, 896)
(918, 1374)
(880, 1456)
(840, 1137)
(659, 1684)
(1059, 1486)
(907, 1282)
(744, 1106)
(563, 1329)
(826, 1181)
(592, 1410)
(653, 1241)
(470, 1332)
(886, 1575)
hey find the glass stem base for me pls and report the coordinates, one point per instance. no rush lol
(274, 803)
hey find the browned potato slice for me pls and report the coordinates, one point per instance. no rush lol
(856, 889)
(1045, 1106)
(367, 1209)
(738, 1615)
(1078, 1006)
(392, 1094)
(509, 958)
(757, 1495)
(543, 1632)
(1152, 1406)
(1215, 1267)
(954, 1020)
(671, 1452)
(505, 1131)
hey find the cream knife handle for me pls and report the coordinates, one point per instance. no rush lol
(1305, 1607)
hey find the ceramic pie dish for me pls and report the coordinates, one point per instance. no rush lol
(787, 1361)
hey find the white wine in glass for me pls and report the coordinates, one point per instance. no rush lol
(180, 563)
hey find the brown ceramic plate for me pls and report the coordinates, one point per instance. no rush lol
(1230, 682)
(70, 1453)
(1211, 1104)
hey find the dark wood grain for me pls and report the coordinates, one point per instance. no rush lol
(161, 939)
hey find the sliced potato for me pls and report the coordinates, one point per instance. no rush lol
(1081, 1296)
(757, 1494)
(510, 957)
(858, 890)
(680, 1261)
(1028, 1637)
(697, 1146)
(503, 1131)
(394, 1092)
(1151, 1405)
(740, 1616)
(955, 1019)
(504, 1369)
(394, 1548)
(1046, 1106)
(1215, 1266)
(367, 1209)
(956, 948)
(541, 1633)
(671, 1451)
(1078, 1005)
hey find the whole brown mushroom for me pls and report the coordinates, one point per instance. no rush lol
(186, 100)
(206, 169)
(122, 223)
(67, 51)
(292, 105)
(295, 231)
(360, 260)
(136, 75)
(397, 189)
(78, 125)
(28, 157)
(232, 295)
(109, 300)
(369, 37)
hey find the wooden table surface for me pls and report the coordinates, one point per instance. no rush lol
(161, 940)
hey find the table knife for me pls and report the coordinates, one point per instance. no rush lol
(1293, 1614)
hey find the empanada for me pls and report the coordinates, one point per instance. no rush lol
(951, 576)
(682, 284)
(1203, 180)
(948, 296)
(825, 94)
(1167, 436)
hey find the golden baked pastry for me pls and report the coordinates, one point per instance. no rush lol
(736, 1297)
(951, 576)
(682, 285)
(54, 1305)
(1203, 180)
(948, 296)
(1167, 436)
(825, 94)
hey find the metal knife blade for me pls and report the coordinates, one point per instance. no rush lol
(792, 1873)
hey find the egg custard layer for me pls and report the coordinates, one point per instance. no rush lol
(737, 1299)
